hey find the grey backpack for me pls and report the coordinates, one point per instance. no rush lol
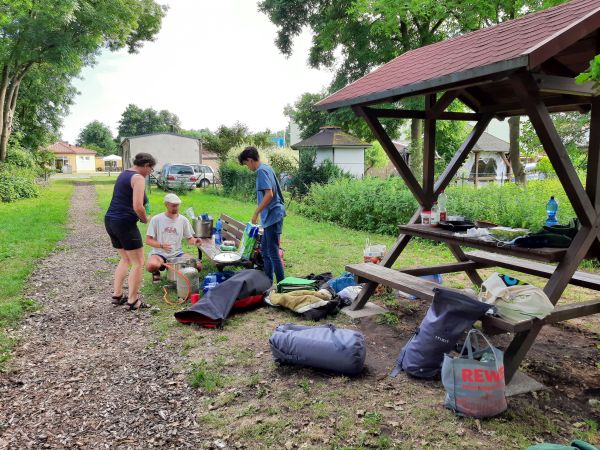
(451, 313)
(322, 347)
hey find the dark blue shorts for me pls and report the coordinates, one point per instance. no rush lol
(123, 233)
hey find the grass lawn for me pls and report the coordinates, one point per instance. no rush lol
(247, 401)
(29, 230)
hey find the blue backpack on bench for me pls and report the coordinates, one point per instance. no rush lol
(451, 313)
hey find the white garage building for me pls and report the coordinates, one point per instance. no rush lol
(165, 147)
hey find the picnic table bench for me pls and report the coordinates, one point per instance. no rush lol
(233, 230)
(487, 255)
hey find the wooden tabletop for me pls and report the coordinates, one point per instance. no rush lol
(438, 234)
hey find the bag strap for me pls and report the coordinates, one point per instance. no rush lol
(475, 332)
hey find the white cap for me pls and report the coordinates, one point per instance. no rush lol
(172, 198)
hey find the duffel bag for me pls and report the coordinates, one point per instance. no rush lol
(451, 313)
(322, 347)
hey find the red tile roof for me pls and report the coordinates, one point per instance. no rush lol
(523, 42)
(62, 148)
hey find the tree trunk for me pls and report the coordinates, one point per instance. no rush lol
(8, 107)
(514, 125)
(416, 147)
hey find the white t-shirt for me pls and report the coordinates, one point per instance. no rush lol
(169, 231)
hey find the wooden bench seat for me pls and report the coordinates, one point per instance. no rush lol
(233, 230)
(423, 289)
(583, 279)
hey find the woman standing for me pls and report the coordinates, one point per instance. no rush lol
(126, 208)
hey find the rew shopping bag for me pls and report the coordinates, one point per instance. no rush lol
(373, 252)
(474, 382)
(514, 299)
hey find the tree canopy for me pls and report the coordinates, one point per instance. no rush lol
(136, 121)
(60, 37)
(99, 135)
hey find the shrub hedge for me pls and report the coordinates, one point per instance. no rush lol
(379, 206)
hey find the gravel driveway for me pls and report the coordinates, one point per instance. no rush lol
(87, 374)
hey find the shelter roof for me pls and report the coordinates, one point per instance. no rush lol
(557, 41)
(62, 148)
(331, 136)
(490, 143)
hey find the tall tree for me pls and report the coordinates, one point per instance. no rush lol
(97, 134)
(65, 35)
(44, 100)
(354, 36)
(136, 121)
(225, 138)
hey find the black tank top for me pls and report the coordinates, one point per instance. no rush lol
(121, 205)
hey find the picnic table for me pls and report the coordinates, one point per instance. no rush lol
(496, 73)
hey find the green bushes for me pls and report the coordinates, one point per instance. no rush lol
(237, 181)
(17, 181)
(377, 205)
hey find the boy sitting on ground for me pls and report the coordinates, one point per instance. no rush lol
(165, 233)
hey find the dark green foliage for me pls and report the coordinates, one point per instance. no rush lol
(379, 206)
(97, 136)
(308, 174)
(136, 121)
(237, 181)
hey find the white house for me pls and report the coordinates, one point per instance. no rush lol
(165, 147)
(345, 151)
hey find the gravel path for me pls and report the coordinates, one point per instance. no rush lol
(88, 374)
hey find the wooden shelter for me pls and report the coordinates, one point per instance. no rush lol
(526, 67)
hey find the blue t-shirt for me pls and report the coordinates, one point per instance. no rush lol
(275, 211)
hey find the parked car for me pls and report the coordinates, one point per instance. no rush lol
(205, 174)
(173, 176)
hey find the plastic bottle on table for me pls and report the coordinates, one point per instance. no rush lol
(442, 202)
(435, 214)
(219, 232)
(552, 211)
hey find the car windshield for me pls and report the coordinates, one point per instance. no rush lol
(182, 170)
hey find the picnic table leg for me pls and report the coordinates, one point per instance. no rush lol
(522, 342)
(460, 256)
(388, 260)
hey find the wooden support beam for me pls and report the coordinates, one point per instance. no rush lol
(564, 85)
(393, 153)
(537, 111)
(568, 265)
(447, 268)
(592, 183)
(440, 106)
(555, 67)
(561, 102)
(413, 114)
(460, 256)
(429, 151)
(461, 155)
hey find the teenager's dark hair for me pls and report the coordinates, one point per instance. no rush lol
(141, 159)
(248, 153)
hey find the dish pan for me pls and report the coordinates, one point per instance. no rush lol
(227, 257)
(456, 225)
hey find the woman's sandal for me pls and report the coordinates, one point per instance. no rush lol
(118, 300)
(133, 307)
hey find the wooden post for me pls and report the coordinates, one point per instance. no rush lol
(429, 152)
(476, 178)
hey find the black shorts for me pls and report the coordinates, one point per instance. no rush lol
(123, 233)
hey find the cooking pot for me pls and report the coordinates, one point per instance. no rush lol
(203, 228)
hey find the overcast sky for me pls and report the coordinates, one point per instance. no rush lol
(212, 63)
